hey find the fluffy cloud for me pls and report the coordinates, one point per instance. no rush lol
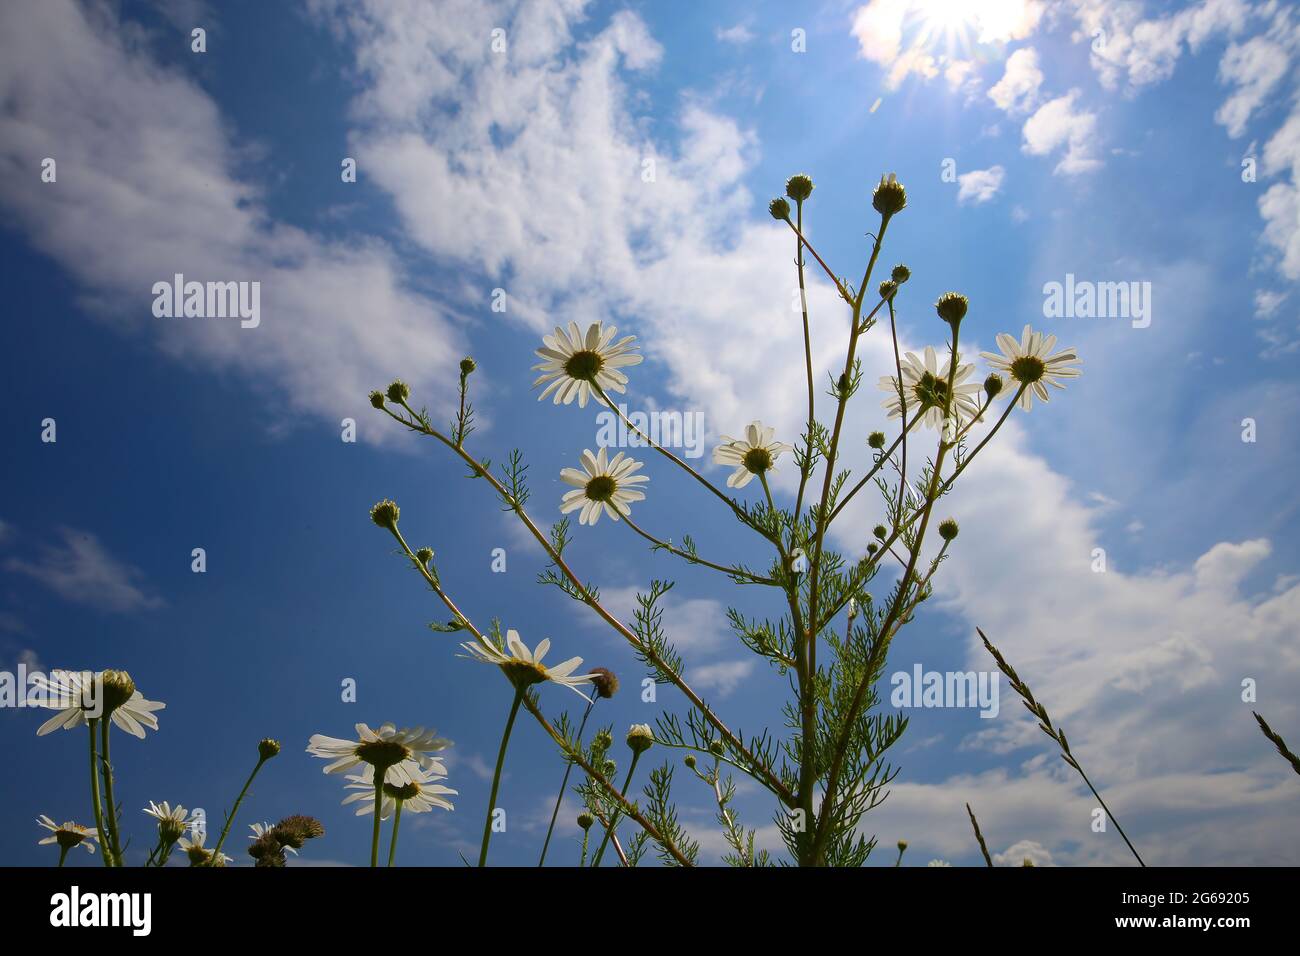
(1056, 124)
(148, 186)
(1017, 91)
(980, 185)
(1255, 68)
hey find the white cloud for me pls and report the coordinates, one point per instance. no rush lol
(148, 186)
(1058, 124)
(1255, 68)
(722, 677)
(1268, 302)
(980, 185)
(1017, 91)
(81, 570)
(738, 34)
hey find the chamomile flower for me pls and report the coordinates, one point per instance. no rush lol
(173, 822)
(198, 854)
(573, 362)
(603, 484)
(261, 829)
(752, 455)
(418, 795)
(525, 667)
(400, 752)
(82, 695)
(1031, 363)
(67, 835)
(925, 387)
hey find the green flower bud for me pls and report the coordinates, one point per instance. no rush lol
(901, 274)
(890, 197)
(888, 288)
(880, 531)
(385, 514)
(398, 391)
(640, 738)
(872, 548)
(690, 761)
(467, 365)
(424, 556)
(717, 748)
(948, 529)
(951, 307)
(602, 741)
(780, 209)
(377, 399)
(799, 187)
(586, 820)
(993, 386)
(902, 845)
(876, 440)
(268, 748)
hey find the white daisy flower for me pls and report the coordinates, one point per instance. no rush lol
(419, 795)
(925, 387)
(173, 822)
(80, 695)
(573, 362)
(1031, 363)
(402, 752)
(603, 484)
(525, 667)
(752, 455)
(198, 854)
(262, 828)
(67, 835)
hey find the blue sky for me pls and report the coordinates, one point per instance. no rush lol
(1099, 138)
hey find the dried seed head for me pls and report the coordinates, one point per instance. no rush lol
(604, 681)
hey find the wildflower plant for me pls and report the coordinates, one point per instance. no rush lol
(836, 615)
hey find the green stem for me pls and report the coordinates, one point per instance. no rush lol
(613, 819)
(496, 776)
(63, 854)
(380, 773)
(94, 796)
(585, 835)
(105, 726)
(568, 768)
(397, 821)
(230, 818)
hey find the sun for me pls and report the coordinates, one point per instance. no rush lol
(962, 22)
(947, 16)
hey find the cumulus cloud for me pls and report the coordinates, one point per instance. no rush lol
(149, 185)
(1057, 125)
(1255, 68)
(1017, 91)
(980, 185)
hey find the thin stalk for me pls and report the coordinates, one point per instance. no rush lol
(696, 559)
(63, 854)
(380, 773)
(105, 725)
(568, 768)
(496, 776)
(96, 805)
(586, 834)
(230, 818)
(613, 818)
(397, 822)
